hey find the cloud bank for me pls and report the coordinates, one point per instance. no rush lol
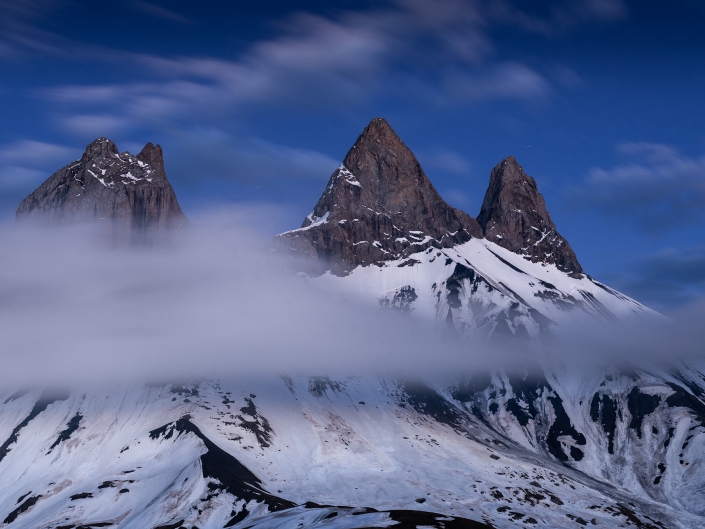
(216, 302)
(213, 302)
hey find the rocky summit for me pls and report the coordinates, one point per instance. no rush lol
(378, 206)
(131, 194)
(514, 216)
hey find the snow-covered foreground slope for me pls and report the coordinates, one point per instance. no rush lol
(276, 452)
(481, 289)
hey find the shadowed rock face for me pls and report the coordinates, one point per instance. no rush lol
(379, 205)
(514, 216)
(129, 194)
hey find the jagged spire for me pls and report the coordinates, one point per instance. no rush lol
(514, 216)
(130, 194)
(152, 154)
(379, 205)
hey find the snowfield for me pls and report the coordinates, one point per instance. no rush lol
(139, 457)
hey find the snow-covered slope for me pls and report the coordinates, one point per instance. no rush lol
(481, 288)
(219, 454)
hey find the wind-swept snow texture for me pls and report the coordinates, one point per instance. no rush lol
(360, 452)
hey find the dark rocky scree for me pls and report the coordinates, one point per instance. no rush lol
(130, 194)
(515, 217)
(378, 206)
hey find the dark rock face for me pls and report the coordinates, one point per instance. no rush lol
(514, 216)
(130, 194)
(379, 205)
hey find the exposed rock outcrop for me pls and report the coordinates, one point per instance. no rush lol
(378, 206)
(130, 194)
(514, 216)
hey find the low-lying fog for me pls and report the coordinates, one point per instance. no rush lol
(215, 301)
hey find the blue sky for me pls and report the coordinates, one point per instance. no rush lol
(600, 100)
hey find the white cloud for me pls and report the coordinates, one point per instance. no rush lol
(95, 125)
(35, 152)
(505, 81)
(560, 18)
(214, 302)
(657, 188)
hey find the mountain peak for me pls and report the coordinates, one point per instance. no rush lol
(514, 216)
(98, 148)
(379, 129)
(152, 155)
(378, 206)
(130, 193)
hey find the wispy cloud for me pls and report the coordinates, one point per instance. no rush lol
(95, 125)
(444, 48)
(25, 164)
(35, 152)
(20, 30)
(559, 18)
(160, 12)
(667, 279)
(657, 188)
(247, 160)
(19, 179)
(505, 81)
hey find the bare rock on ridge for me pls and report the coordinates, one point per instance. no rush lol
(514, 216)
(130, 194)
(378, 206)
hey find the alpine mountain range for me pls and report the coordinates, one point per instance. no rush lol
(544, 448)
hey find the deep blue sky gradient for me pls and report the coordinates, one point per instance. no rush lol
(600, 100)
